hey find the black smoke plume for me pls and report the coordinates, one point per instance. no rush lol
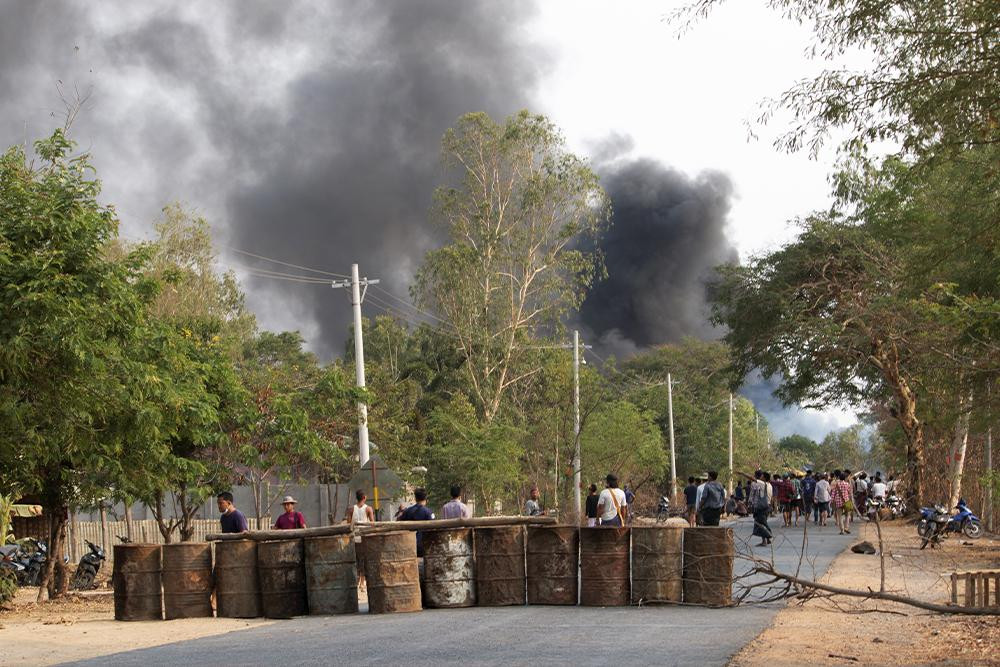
(307, 132)
(668, 234)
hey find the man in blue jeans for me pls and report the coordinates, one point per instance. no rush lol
(808, 489)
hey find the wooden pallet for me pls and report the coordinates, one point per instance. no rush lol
(982, 588)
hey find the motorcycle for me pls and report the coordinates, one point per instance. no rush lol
(663, 509)
(896, 506)
(873, 507)
(32, 555)
(90, 565)
(9, 560)
(933, 525)
(964, 522)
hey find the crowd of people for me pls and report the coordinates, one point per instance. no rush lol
(813, 496)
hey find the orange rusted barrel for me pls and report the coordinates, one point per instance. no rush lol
(552, 564)
(657, 564)
(331, 575)
(392, 572)
(187, 580)
(708, 566)
(604, 567)
(237, 590)
(282, 574)
(500, 573)
(136, 580)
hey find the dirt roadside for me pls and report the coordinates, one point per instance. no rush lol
(83, 626)
(846, 632)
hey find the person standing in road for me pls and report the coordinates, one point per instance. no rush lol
(418, 511)
(713, 499)
(697, 498)
(592, 506)
(232, 520)
(784, 491)
(760, 505)
(611, 504)
(455, 508)
(822, 498)
(533, 507)
(808, 489)
(840, 496)
(691, 498)
(359, 513)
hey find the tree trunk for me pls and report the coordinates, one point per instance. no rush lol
(887, 361)
(57, 520)
(959, 444)
(128, 520)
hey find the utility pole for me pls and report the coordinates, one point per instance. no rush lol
(673, 457)
(731, 473)
(577, 481)
(990, 520)
(357, 296)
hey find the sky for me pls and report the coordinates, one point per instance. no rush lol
(308, 132)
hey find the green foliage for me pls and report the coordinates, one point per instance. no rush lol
(70, 388)
(513, 266)
(481, 456)
(622, 439)
(8, 586)
(797, 449)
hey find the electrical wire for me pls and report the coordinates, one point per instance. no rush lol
(408, 304)
(289, 264)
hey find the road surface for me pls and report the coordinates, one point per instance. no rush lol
(661, 635)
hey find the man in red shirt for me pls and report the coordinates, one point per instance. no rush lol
(784, 492)
(290, 519)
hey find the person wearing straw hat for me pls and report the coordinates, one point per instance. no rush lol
(291, 518)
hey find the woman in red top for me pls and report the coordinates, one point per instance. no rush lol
(840, 494)
(290, 519)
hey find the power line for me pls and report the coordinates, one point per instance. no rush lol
(289, 264)
(409, 305)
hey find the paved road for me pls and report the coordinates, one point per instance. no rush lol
(662, 635)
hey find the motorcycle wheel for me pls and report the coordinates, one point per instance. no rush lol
(923, 528)
(83, 579)
(972, 529)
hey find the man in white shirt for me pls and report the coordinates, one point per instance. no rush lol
(878, 488)
(697, 499)
(611, 504)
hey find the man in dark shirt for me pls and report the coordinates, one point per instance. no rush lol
(592, 499)
(418, 512)
(713, 499)
(691, 497)
(232, 520)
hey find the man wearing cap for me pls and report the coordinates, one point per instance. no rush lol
(291, 518)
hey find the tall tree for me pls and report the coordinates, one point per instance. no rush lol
(517, 219)
(70, 387)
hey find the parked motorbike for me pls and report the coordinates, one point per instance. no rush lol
(9, 560)
(32, 555)
(933, 525)
(873, 507)
(663, 509)
(90, 565)
(896, 506)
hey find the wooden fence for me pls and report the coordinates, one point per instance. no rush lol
(142, 531)
(981, 587)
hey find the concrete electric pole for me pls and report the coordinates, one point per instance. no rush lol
(577, 481)
(731, 473)
(673, 456)
(357, 296)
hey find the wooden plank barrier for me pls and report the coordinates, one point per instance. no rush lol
(981, 588)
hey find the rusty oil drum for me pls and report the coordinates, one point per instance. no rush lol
(282, 574)
(449, 568)
(604, 567)
(500, 575)
(237, 592)
(392, 572)
(657, 564)
(187, 580)
(331, 575)
(136, 580)
(552, 564)
(708, 566)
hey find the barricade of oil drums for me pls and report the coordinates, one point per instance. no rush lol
(500, 575)
(449, 568)
(657, 564)
(552, 559)
(282, 574)
(708, 565)
(604, 566)
(331, 575)
(187, 580)
(237, 590)
(392, 572)
(136, 580)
